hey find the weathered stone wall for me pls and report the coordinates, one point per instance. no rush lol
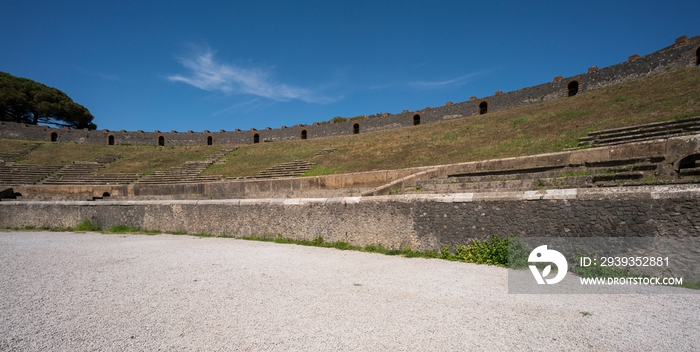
(417, 221)
(421, 222)
(680, 55)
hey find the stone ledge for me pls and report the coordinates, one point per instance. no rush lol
(612, 193)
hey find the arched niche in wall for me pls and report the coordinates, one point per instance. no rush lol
(106, 194)
(110, 139)
(691, 162)
(304, 134)
(697, 57)
(161, 141)
(483, 107)
(356, 128)
(256, 138)
(54, 137)
(210, 140)
(572, 89)
(416, 119)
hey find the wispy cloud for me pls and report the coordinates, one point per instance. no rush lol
(243, 105)
(210, 75)
(455, 82)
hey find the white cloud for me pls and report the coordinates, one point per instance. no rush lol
(455, 82)
(210, 75)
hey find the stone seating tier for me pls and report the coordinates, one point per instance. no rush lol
(292, 169)
(640, 133)
(12, 157)
(14, 175)
(623, 172)
(83, 173)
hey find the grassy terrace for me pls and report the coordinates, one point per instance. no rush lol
(541, 128)
(144, 159)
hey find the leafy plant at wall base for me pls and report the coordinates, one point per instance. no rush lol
(123, 229)
(495, 251)
(86, 225)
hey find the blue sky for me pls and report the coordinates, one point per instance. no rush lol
(210, 65)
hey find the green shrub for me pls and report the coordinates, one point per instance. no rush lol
(494, 251)
(87, 225)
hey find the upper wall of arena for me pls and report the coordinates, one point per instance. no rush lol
(685, 52)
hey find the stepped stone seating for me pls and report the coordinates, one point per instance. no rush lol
(84, 173)
(292, 169)
(641, 132)
(187, 173)
(214, 158)
(614, 173)
(12, 157)
(15, 175)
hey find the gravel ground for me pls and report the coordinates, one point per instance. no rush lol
(87, 291)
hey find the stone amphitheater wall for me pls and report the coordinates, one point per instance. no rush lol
(673, 150)
(421, 222)
(684, 53)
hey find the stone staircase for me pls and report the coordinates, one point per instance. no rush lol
(293, 169)
(614, 173)
(12, 157)
(15, 175)
(85, 173)
(187, 173)
(641, 132)
(216, 158)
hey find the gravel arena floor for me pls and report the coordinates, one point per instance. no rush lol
(89, 291)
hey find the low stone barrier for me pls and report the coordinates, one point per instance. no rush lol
(422, 222)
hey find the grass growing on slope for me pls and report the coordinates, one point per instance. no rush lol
(13, 146)
(534, 129)
(539, 128)
(142, 158)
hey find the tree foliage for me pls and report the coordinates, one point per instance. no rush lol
(25, 101)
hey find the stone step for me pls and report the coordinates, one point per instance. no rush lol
(677, 125)
(690, 171)
(647, 125)
(618, 177)
(638, 133)
(642, 137)
(462, 187)
(624, 162)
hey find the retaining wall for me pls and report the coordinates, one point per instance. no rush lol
(684, 53)
(417, 221)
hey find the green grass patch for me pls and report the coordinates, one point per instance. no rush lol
(134, 158)
(123, 229)
(86, 225)
(693, 285)
(494, 251)
(319, 171)
(130, 230)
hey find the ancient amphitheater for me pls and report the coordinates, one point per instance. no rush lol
(98, 292)
(638, 179)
